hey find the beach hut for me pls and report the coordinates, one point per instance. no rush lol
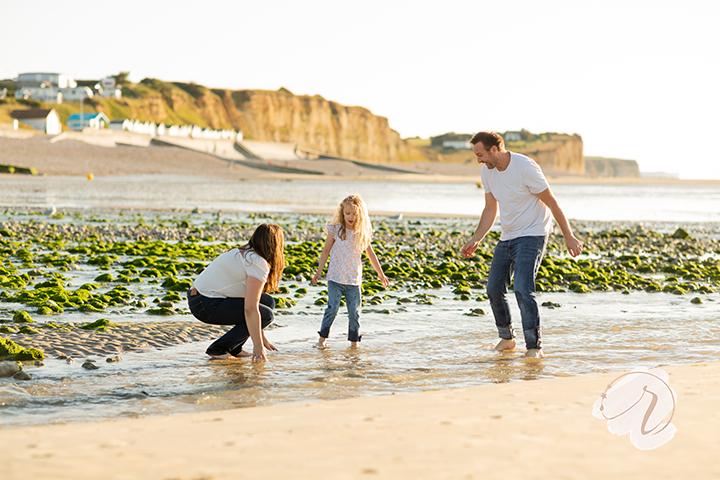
(43, 119)
(95, 121)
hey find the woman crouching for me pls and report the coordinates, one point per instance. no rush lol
(233, 290)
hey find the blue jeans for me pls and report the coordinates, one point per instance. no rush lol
(229, 311)
(352, 300)
(523, 255)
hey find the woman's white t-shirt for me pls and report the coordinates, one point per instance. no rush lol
(515, 188)
(345, 258)
(226, 276)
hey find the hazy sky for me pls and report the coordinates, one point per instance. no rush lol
(637, 79)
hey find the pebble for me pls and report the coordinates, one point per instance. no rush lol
(21, 375)
(8, 369)
(89, 365)
(113, 359)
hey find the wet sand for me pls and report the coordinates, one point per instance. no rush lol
(75, 342)
(531, 430)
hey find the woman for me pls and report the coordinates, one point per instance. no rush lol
(232, 290)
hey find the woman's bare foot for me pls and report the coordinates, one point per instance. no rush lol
(505, 345)
(219, 357)
(534, 353)
(321, 343)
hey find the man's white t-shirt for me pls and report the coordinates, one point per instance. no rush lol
(522, 213)
(226, 276)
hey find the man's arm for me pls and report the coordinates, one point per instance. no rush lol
(486, 222)
(574, 245)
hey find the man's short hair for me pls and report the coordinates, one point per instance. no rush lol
(489, 140)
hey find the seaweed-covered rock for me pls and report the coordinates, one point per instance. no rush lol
(680, 234)
(100, 325)
(21, 316)
(10, 349)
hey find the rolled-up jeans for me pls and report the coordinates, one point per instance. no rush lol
(352, 300)
(521, 256)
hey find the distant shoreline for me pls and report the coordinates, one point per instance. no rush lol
(72, 157)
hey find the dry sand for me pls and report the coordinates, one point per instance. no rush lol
(524, 430)
(70, 156)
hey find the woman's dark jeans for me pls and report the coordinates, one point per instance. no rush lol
(229, 311)
(523, 255)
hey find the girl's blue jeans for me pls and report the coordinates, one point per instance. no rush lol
(352, 300)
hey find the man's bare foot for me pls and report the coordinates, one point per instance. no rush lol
(534, 353)
(321, 343)
(354, 344)
(505, 345)
(243, 354)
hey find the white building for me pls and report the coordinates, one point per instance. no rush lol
(45, 79)
(45, 120)
(457, 144)
(109, 89)
(95, 121)
(512, 136)
(76, 94)
(49, 94)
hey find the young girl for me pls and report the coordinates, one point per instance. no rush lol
(347, 237)
(232, 291)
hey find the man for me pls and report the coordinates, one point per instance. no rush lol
(517, 184)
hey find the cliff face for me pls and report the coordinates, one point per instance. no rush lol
(557, 154)
(611, 167)
(315, 124)
(312, 122)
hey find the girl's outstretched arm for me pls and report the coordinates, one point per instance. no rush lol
(376, 266)
(323, 258)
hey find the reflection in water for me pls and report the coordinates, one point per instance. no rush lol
(419, 348)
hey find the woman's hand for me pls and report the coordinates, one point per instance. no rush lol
(316, 278)
(268, 345)
(383, 279)
(258, 354)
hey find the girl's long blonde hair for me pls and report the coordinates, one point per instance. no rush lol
(268, 241)
(363, 227)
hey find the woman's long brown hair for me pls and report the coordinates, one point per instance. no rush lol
(268, 241)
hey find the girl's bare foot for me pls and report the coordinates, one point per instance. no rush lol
(534, 353)
(505, 345)
(321, 343)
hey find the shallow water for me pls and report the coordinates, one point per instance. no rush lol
(419, 347)
(675, 203)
